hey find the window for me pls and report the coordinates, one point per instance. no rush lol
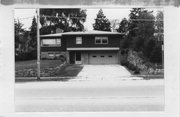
(101, 40)
(94, 56)
(110, 56)
(51, 42)
(58, 41)
(104, 41)
(51, 54)
(98, 41)
(78, 40)
(102, 56)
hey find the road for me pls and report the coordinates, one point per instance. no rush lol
(100, 95)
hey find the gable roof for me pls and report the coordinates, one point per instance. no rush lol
(93, 32)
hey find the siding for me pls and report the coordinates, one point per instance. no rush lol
(89, 41)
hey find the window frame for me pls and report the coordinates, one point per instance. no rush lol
(56, 40)
(79, 40)
(101, 39)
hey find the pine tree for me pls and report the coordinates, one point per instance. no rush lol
(101, 22)
(32, 43)
(33, 33)
(123, 26)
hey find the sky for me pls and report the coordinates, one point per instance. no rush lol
(26, 15)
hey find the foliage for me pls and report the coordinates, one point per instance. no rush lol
(159, 22)
(65, 19)
(123, 26)
(130, 66)
(33, 34)
(140, 30)
(18, 30)
(148, 47)
(156, 54)
(141, 27)
(25, 41)
(101, 22)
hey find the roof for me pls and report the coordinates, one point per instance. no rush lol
(93, 32)
(52, 35)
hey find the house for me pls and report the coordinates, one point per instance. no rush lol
(90, 47)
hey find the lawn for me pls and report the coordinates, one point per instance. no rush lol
(49, 68)
(20, 65)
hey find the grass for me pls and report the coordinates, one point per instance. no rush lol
(32, 64)
(51, 68)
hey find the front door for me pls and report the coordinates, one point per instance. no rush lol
(78, 58)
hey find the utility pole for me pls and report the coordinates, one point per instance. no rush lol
(38, 46)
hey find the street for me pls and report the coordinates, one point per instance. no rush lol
(90, 95)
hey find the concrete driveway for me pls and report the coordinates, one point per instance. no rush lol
(102, 72)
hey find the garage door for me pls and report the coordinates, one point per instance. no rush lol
(103, 58)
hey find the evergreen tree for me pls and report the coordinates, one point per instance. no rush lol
(19, 32)
(33, 34)
(123, 26)
(32, 43)
(101, 22)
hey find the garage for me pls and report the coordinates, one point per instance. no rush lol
(103, 58)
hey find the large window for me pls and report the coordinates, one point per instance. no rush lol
(78, 40)
(101, 40)
(51, 42)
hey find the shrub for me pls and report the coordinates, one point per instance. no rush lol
(130, 66)
(124, 62)
(26, 56)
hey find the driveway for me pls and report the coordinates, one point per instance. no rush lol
(102, 72)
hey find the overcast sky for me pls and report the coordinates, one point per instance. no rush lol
(26, 15)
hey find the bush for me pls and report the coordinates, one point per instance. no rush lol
(26, 56)
(124, 63)
(156, 55)
(130, 66)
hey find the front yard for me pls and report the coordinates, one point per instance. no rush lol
(49, 68)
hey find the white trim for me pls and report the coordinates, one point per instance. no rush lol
(103, 48)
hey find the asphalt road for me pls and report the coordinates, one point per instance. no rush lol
(119, 95)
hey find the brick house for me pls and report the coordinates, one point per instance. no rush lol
(90, 47)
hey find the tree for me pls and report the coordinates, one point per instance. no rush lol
(33, 34)
(141, 28)
(123, 26)
(159, 21)
(65, 19)
(159, 26)
(148, 47)
(19, 32)
(32, 43)
(101, 22)
(156, 55)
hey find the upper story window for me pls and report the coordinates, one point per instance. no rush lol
(101, 40)
(78, 40)
(51, 42)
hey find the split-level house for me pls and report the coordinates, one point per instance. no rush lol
(90, 47)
